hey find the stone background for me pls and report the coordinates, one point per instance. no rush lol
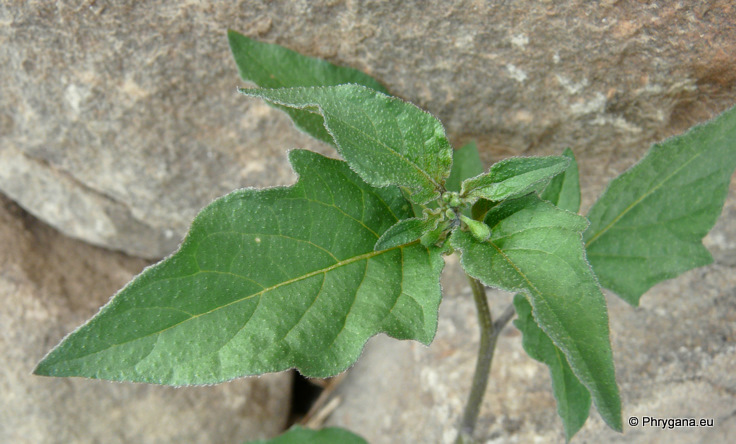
(49, 285)
(119, 121)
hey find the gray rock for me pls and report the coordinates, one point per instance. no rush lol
(674, 358)
(119, 120)
(49, 284)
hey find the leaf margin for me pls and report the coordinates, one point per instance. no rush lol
(433, 256)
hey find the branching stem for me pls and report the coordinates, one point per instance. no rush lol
(504, 319)
(489, 331)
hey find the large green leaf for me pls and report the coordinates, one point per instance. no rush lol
(385, 140)
(648, 225)
(536, 249)
(564, 189)
(300, 435)
(273, 66)
(466, 163)
(266, 280)
(513, 177)
(573, 399)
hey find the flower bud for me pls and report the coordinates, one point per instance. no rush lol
(478, 229)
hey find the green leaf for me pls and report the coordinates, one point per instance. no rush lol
(564, 189)
(465, 163)
(385, 140)
(300, 435)
(266, 280)
(273, 66)
(573, 399)
(648, 225)
(513, 177)
(536, 248)
(480, 208)
(406, 231)
(432, 237)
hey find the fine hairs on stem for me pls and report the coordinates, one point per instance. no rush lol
(489, 330)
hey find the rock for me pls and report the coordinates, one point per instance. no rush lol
(50, 284)
(674, 358)
(120, 121)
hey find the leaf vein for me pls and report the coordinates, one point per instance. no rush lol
(345, 262)
(390, 149)
(640, 199)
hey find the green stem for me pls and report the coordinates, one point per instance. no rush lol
(488, 336)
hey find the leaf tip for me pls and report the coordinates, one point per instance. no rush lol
(38, 370)
(43, 368)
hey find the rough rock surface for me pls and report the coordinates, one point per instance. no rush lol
(49, 284)
(674, 357)
(119, 120)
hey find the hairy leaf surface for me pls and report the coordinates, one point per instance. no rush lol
(573, 399)
(385, 140)
(536, 249)
(406, 231)
(649, 224)
(273, 66)
(513, 177)
(564, 189)
(266, 280)
(300, 435)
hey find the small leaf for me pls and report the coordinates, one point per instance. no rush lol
(300, 435)
(514, 176)
(465, 163)
(432, 237)
(385, 140)
(273, 66)
(406, 231)
(536, 248)
(266, 280)
(649, 224)
(417, 209)
(564, 189)
(573, 399)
